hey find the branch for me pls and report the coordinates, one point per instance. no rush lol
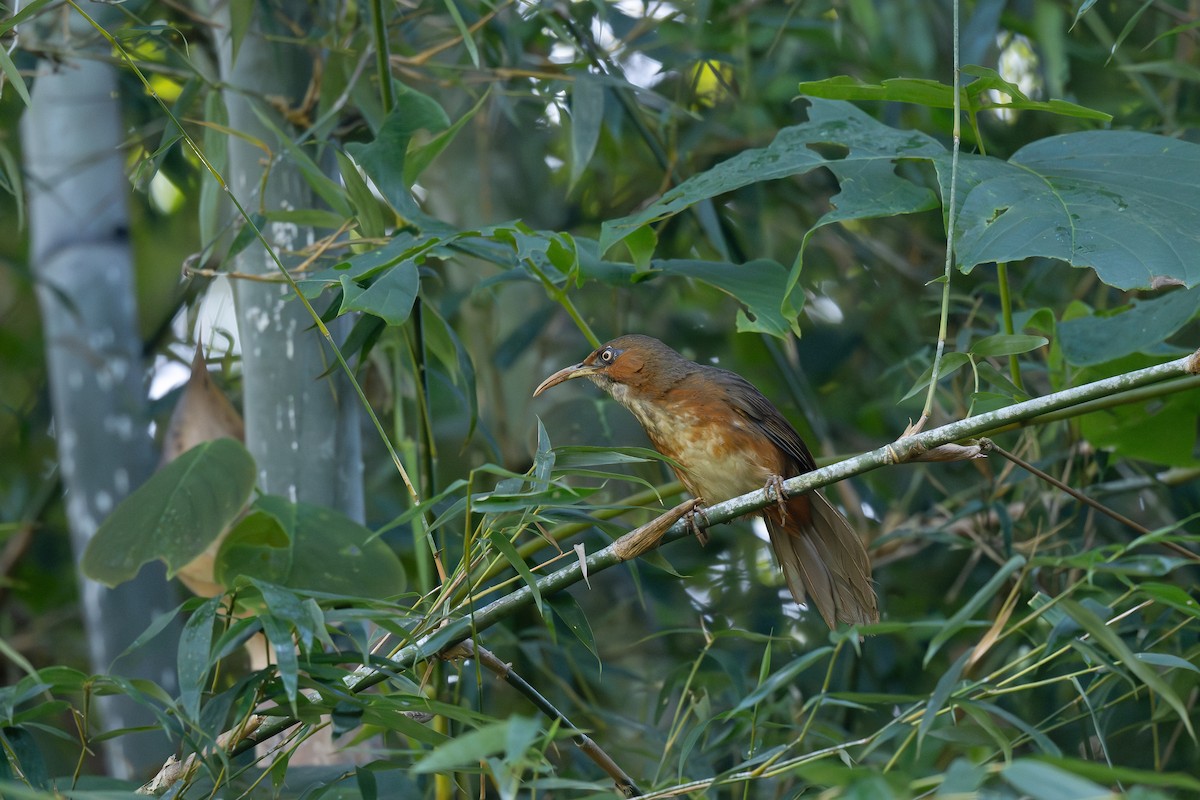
(468, 649)
(990, 447)
(907, 448)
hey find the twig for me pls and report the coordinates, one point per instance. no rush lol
(458, 628)
(469, 649)
(990, 446)
(951, 218)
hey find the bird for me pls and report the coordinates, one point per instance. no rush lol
(724, 438)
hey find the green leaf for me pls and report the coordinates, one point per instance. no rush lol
(11, 180)
(1167, 661)
(240, 16)
(1004, 344)
(786, 676)
(280, 637)
(567, 609)
(259, 545)
(1148, 431)
(384, 158)
(367, 208)
(1171, 595)
(389, 297)
(587, 114)
(1141, 327)
(421, 157)
(174, 515)
(918, 91)
(963, 615)
(575, 456)
(403, 246)
(14, 76)
(25, 11)
(642, 244)
(1043, 781)
(19, 745)
(468, 38)
(329, 553)
(1035, 735)
(975, 95)
(941, 692)
(1110, 775)
(989, 79)
(194, 658)
(951, 363)
(466, 750)
(758, 285)
(872, 188)
(1107, 638)
(1125, 204)
(450, 352)
(501, 543)
(963, 778)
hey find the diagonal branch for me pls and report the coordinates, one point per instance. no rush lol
(905, 449)
(991, 447)
(469, 649)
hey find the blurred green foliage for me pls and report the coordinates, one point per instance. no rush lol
(1030, 646)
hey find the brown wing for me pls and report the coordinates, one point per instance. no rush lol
(818, 551)
(751, 404)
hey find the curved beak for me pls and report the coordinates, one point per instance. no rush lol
(580, 370)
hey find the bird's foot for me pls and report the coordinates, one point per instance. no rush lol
(697, 520)
(775, 487)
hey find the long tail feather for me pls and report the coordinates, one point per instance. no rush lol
(822, 557)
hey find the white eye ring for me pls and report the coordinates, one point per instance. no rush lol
(606, 355)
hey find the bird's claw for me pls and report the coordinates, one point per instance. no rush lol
(697, 527)
(775, 486)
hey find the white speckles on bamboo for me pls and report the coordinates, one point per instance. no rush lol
(67, 442)
(118, 368)
(119, 425)
(103, 502)
(259, 319)
(121, 481)
(283, 236)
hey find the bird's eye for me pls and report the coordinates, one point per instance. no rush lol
(607, 355)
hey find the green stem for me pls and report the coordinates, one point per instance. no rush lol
(950, 220)
(561, 297)
(387, 98)
(1014, 367)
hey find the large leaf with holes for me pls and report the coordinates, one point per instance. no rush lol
(175, 514)
(864, 160)
(1125, 204)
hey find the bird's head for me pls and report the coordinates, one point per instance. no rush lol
(631, 363)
